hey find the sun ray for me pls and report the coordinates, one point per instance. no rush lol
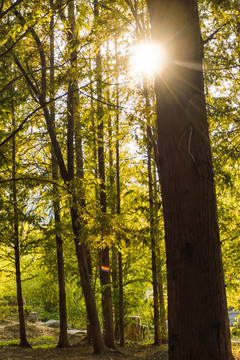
(148, 58)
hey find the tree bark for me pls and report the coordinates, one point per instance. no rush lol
(198, 319)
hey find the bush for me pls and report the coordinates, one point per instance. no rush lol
(235, 331)
(4, 312)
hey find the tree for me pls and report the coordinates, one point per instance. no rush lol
(39, 94)
(198, 321)
(152, 223)
(16, 241)
(104, 251)
(63, 336)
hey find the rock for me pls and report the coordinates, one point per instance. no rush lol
(234, 318)
(133, 330)
(53, 323)
(33, 317)
(74, 332)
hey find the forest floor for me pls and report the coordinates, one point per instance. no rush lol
(43, 341)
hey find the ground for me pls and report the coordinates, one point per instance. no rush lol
(40, 335)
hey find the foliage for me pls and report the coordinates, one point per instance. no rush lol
(4, 313)
(236, 351)
(235, 332)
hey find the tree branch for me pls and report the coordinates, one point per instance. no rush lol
(10, 8)
(12, 46)
(211, 37)
(28, 117)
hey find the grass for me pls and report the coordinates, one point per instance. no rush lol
(44, 346)
(36, 340)
(9, 343)
(42, 340)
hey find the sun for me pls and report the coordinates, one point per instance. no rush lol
(148, 58)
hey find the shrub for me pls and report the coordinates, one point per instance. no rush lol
(4, 312)
(235, 331)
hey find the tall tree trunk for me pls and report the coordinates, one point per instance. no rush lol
(63, 336)
(162, 314)
(80, 187)
(22, 328)
(77, 217)
(159, 264)
(157, 334)
(108, 327)
(198, 319)
(68, 177)
(120, 261)
(163, 325)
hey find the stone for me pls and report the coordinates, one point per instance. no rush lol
(53, 323)
(33, 317)
(134, 328)
(234, 318)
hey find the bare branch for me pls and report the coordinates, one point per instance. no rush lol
(10, 8)
(12, 46)
(211, 37)
(28, 117)
(1, 6)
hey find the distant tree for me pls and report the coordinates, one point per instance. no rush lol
(104, 249)
(63, 336)
(16, 240)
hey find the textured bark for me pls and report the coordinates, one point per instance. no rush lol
(198, 319)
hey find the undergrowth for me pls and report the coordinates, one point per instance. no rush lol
(36, 340)
(236, 351)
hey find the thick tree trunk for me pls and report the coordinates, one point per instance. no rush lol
(22, 328)
(63, 336)
(198, 319)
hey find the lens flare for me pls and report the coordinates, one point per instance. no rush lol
(148, 58)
